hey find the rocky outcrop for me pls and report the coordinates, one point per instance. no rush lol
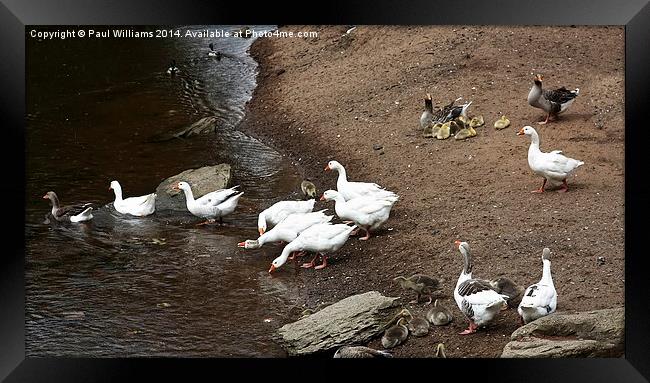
(202, 180)
(353, 320)
(599, 333)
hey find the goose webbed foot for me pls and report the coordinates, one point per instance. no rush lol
(367, 237)
(322, 265)
(311, 264)
(541, 189)
(471, 329)
(565, 187)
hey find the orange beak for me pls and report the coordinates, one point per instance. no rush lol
(322, 198)
(175, 187)
(457, 243)
(520, 132)
(327, 167)
(260, 230)
(241, 244)
(45, 196)
(272, 269)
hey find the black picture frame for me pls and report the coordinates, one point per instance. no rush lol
(16, 14)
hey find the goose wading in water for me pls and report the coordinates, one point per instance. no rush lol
(553, 166)
(172, 70)
(280, 210)
(214, 53)
(69, 213)
(322, 238)
(553, 102)
(366, 212)
(215, 204)
(475, 297)
(288, 229)
(540, 299)
(350, 190)
(137, 206)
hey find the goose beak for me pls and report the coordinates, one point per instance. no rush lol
(272, 269)
(457, 243)
(110, 188)
(520, 132)
(322, 198)
(175, 187)
(328, 167)
(241, 244)
(261, 231)
(45, 196)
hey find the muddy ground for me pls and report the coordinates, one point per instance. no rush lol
(335, 96)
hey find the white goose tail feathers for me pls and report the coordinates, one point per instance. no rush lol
(463, 112)
(83, 216)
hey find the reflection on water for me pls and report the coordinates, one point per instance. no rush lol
(159, 285)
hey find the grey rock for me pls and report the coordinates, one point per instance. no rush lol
(599, 333)
(353, 320)
(202, 180)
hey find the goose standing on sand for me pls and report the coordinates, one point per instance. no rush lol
(397, 334)
(288, 229)
(366, 212)
(553, 166)
(322, 239)
(426, 119)
(280, 210)
(215, 204)
(351, 190)
(421, 284)
(308, 188)
(439, 315)
(553, 102)
(70, 213)
(539, 299)
(475, 297)
(138, 206)
(513, 291)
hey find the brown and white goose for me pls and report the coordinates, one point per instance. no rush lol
(475, 297)
(360, 352)
(70, 213)
(553, 102)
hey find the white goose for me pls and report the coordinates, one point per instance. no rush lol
(366, 212)
(288, 229)
(215, 204)
(539, 299)
(475, 297)
(280, 210)
(553, 166)
(322, 239)
(138, 206)
(351, 190)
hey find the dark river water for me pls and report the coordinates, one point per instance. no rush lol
(159, 285)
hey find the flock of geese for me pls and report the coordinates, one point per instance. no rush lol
(366, 206)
